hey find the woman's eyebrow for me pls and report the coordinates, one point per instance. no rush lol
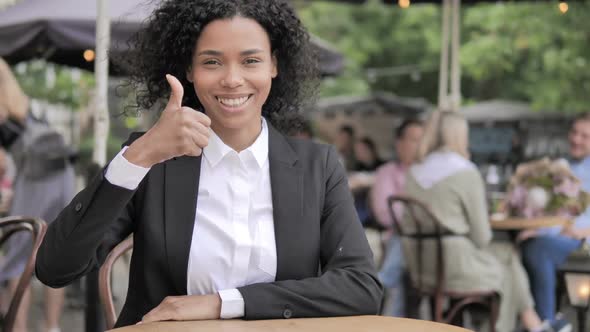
(251, 52)
(219, 53)
(210, 52)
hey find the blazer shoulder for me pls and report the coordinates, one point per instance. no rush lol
(315, 156)
(306, 148)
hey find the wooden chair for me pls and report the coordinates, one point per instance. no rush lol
(458, 301)
(37, 228)
(104, 281)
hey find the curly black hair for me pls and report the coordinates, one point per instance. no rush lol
(166, 44)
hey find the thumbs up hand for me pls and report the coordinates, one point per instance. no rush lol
(176, 93)
(179, 131)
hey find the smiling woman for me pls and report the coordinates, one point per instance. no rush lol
(232, 71)
(174, 31)
(230, 218)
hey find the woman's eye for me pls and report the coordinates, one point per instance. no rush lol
(251, 61)
(211, 62)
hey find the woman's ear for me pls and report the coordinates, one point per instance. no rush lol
(189, 74)
(274, 71)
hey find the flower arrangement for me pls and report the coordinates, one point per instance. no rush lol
(545, 188)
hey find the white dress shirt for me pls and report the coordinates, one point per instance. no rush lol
(233, 242)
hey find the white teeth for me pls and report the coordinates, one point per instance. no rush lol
(232, 102)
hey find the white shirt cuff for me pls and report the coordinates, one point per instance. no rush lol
(122, 173)
(232, 304)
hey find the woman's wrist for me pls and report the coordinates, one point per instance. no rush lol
(139, 155)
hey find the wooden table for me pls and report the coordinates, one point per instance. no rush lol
(335, 324)
(524, 223)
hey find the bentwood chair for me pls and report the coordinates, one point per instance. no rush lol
(104, 281)
(422, 217)
(10, 226)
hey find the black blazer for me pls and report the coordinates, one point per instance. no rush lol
(324, 264)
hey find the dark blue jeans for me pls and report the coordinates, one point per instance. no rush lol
(541, 257)
(391, 275)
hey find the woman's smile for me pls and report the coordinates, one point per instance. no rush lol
(234, 103)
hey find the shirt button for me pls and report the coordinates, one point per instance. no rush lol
(78, 207)
(287, 313)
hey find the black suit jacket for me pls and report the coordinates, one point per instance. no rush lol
(324, 264)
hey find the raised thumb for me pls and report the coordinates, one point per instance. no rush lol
(176, 91)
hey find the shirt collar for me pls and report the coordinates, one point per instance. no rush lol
(216, 150)
(260, 146)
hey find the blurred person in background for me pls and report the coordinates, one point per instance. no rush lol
(390, 180)
(450, 184)
(362, 177)
(366, 156)
(5, 184)
(344, 143)
(544, 250)
(44, 184)
(14, 106)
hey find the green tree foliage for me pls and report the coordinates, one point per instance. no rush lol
(378, 36)
(518, 50)
(528, 51)
(55, 84)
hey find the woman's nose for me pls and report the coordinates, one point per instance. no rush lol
(232, 79)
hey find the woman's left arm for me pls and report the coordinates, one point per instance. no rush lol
(576, 233)
(348, 284)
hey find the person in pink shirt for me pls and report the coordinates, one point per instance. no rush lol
(390, 180)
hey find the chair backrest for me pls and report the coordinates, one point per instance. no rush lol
(37, 228)
(418, 217)
(104, 281)
(422, 224)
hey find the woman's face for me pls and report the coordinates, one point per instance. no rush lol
(363, 153)
(232, 72)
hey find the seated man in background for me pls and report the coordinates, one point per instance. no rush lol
(543, 251)
(390, 180)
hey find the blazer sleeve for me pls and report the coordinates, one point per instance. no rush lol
(348, 284)
(82, 235)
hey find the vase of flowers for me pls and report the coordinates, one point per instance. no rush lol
(544, 188)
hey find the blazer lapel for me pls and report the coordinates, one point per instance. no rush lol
(286, 181)
(180, 196)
